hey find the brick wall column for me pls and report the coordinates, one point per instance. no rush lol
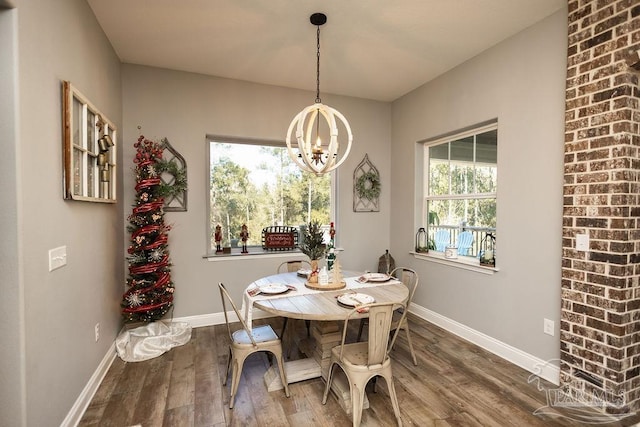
(600, 320)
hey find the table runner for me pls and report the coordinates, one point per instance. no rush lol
(247, 300)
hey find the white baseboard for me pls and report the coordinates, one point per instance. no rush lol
(218, 318)
(80, 406)
(533, 364)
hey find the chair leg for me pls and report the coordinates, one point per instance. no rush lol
(235, 379)
(226, 377)
(362, 322)
(283, 376)
(286, 342)
(357, 402)
(394, 399)
(308, 323)
(328, 385)
(413, 353)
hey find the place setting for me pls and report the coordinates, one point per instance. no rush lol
(354, 300)
(271, 289)
(373, 277)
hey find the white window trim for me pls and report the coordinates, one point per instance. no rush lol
(462, 262)
(293, 254)
(465, 263)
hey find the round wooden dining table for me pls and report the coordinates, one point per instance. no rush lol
(325, 313)
(323, 305)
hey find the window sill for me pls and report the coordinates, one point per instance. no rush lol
(253, 254)
(463, 262)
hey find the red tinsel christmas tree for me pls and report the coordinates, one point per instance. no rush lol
(150, 293)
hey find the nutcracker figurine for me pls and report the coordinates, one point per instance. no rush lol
(331, 253)
(244, 236)
(218, 238)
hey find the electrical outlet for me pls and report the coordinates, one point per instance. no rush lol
(582, 242)
(549, 327)
(97, 331)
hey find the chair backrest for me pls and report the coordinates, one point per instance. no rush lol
(380, 317)
(465, 239)
(224, 296)
(292, 266)
(410, 279)
(442, 240)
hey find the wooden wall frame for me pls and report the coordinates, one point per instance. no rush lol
(176, 201)
(366, 187)
(89, 150)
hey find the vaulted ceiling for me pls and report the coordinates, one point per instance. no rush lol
(375, 49)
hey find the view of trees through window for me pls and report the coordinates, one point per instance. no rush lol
(461, 187)
(260, 186)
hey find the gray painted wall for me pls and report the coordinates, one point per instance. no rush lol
(184, 108)
(61, 41)
(521, 83)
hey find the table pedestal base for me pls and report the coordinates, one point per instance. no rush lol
(295, 370)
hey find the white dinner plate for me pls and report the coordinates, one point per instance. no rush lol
(376, 277)
(274, 288)
(355, 299)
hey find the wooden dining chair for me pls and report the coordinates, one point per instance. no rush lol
(410, 279)
(245, 342)
(362, 361)
(290, 267)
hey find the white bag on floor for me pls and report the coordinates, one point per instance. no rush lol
(151, 340)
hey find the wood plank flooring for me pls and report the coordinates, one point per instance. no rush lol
(455, 384)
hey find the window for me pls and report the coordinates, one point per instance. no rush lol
(256, 183)
(459, 189)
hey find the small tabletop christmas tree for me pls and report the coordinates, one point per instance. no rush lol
(312, 246)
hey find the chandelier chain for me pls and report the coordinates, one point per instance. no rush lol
(318, 100)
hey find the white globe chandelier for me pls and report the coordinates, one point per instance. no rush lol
(312, 154)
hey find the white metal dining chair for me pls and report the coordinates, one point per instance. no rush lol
(362, 361)
(245, 342)
(293, 266)
(410, 279)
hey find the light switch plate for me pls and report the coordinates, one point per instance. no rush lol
(582, 242)
(57, 257)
